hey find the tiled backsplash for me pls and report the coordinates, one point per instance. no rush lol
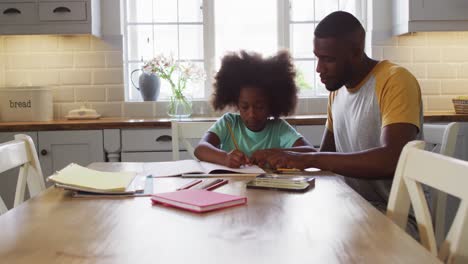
(87, 69)
(439, 60)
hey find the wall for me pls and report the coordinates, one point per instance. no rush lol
(439, 60)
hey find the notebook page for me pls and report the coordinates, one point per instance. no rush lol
(172, 168)
(211, 167)
(77, 176)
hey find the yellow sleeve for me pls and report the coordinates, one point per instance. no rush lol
(399, 97)
(329, 123)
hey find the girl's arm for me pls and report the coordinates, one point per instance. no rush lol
(208, 150)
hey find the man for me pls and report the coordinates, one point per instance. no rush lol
(374, 109)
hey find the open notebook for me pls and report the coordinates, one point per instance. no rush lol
(76, 177)
(174, 168)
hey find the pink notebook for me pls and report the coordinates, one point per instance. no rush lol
(198, 200)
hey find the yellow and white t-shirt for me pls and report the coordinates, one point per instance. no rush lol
(389, 94)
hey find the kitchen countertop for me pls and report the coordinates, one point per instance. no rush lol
(112, 123)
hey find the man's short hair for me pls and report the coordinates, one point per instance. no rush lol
(338, 24)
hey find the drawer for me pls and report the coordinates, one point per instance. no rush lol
(152, 156)
(18, 13)
(146, 139)
(313, 134)
(62, 11)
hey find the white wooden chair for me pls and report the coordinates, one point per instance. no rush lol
(440, 138)
(183, 132)
(417, 166)
(21, 152)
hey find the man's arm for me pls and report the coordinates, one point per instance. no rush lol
(378, 162)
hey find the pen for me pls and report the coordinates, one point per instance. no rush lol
(188, 185)
(216, 185)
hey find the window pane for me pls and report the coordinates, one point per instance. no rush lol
(349, 6)
(324, 8)
(305, 76)
(133, 92)
(302, 10)
(320, 89)
(140, 42)
(256, 30)
(190, 10)
(302, 40)
(164, 10)
(139, 11)
(165, 40)
(191, 42)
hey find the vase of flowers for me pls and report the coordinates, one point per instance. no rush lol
(178, 74)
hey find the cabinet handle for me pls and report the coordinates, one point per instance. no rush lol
(43, 152)
(164, 138)
(12, 11)
(62, 9)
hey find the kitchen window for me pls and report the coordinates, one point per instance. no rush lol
(203, 30)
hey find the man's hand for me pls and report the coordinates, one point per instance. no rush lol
(235, 159)
(288, 159)
(260, 157)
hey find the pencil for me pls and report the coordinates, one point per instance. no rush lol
(232, 136)
(288, 170)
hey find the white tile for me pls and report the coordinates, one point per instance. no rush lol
(109, 76)
(398, 54)
(424, 100)
(67, 107)
(412, 39)
(43, 77)
(417, 69)
(57, 110)
(78, 43)
(90, 94)
(424, 54)
(102, 45)
(57, 60)
(441, 71)
(439, 103)
(24, 61)
(114, 59)
(17, 78)
(108, 109)
(17, 44)
(115, 93)
(63, 94)
(160, 108)
(441, 39)
(202, 108)
(138, 109)
(2, 45)
(377, 52)
(463, 70)
(455, 55)
(429, 87)
(454, 87)
(43, 43)
(393, 41)
(90, 60)
(75, 77)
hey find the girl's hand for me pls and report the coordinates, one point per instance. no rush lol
(235, 159)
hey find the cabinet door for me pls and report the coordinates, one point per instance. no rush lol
(9, 178)
(313, 134)
(438, 10)
(59, 148)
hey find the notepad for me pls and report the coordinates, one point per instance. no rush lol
(76, 177)
(174, 168)
(198, 200)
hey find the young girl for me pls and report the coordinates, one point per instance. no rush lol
(262, 89)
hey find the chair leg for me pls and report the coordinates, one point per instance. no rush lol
(440, 201)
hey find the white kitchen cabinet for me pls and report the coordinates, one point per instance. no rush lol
(59, 148)
(312, 133)
(429, 15)
(9, 178)
(50, 17)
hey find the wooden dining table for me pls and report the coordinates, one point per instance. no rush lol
(329, 223)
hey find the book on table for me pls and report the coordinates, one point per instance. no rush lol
(77, 178)
(198, 200)
(193, 167)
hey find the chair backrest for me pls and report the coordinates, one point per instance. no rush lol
(183, 132)
(440, 138)
(417, 166)
(21, 152)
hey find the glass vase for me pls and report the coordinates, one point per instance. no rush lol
(179, 107)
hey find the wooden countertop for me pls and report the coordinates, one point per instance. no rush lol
(110, 123)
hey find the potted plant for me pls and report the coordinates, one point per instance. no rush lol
(179, 74)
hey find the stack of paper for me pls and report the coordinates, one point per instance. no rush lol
(76, 177)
